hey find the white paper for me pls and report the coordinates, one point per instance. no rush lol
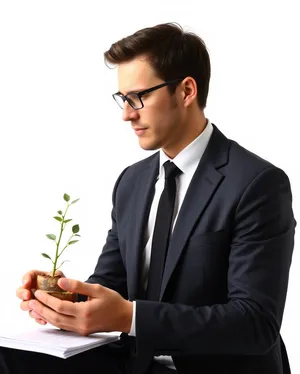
(52, 341)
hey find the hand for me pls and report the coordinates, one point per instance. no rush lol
(24, 292)
(105, 310)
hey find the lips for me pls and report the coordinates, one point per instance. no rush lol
(139, 130)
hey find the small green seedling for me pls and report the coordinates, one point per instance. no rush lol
(63, 223)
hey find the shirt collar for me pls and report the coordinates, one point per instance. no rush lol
(188, 159)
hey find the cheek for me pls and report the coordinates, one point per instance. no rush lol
(161, 127)
(161, 120)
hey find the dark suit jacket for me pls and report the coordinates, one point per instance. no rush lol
(226, 276)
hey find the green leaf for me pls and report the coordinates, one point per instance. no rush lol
(74, 201)
(73, 241)
(75, 229)
(51, 236)
(77, 235)
(62, 264)
(47, 256)
(66, 197)
(60, 212)
(67, 220)
(58, 218)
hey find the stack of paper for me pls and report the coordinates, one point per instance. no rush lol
(52, 341)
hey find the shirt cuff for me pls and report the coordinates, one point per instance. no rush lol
(132, 329)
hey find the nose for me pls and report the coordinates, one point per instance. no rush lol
(129, 113)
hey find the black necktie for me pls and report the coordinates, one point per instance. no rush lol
(162, 231)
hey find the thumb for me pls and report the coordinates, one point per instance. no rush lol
(76, 286)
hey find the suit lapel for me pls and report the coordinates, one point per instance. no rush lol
(202, 187)
(143, 192)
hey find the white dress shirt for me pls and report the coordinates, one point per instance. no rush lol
(187, 161)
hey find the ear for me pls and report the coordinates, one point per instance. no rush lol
(189, 91)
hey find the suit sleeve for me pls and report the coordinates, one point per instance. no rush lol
(259, 262)
(110, 271)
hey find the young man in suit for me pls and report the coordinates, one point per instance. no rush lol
(195, 267)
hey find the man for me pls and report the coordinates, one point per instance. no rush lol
(195, 268)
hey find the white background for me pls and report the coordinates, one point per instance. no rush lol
(60, 130)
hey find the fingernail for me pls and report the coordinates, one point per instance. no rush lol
(24, 281)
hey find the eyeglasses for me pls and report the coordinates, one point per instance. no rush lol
(134, 98)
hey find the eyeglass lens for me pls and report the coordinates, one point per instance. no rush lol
(132, 99)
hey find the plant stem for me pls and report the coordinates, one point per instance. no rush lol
(72, 236)
(58, 241)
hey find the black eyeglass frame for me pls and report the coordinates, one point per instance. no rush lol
(139, 94)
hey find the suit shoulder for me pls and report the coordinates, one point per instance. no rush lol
(130, 174)
(139, 166)
(249, 165)
(234, 157)
(248, 162)
(247, 157)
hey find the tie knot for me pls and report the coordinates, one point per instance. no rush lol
(171, 170)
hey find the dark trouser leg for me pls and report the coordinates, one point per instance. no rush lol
(108, 359)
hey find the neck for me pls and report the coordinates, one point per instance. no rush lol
(192, 129)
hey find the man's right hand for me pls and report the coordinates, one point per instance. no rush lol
(24, 293)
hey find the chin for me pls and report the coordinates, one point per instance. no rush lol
(147, 146)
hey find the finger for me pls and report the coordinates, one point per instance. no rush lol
(92, 290)
(37, 317)
(49, 315)
(24, 305)
(60, 306)
(23, 294)
(41, 321)
(34, 315)
(28, 279)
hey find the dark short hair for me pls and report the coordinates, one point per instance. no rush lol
(171, 52)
